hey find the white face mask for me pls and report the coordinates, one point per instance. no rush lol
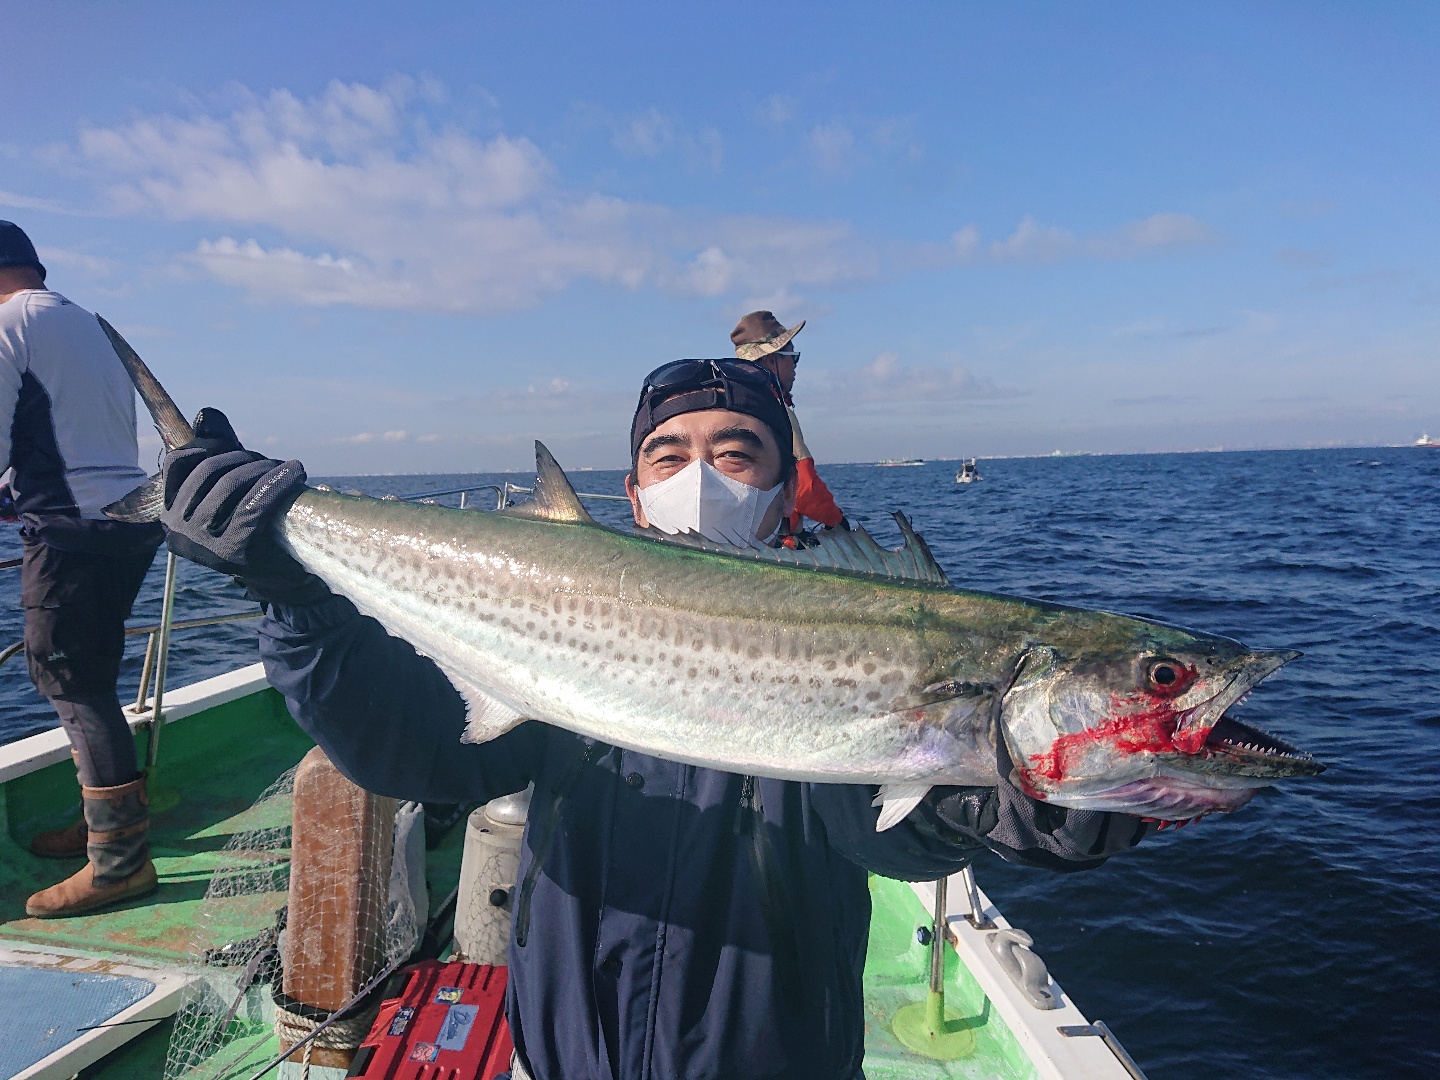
(700, 498)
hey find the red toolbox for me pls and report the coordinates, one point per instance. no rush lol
(448, 1023)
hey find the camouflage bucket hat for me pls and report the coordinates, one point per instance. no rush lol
(759, 334)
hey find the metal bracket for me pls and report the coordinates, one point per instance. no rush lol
(977, 917)
(1100, 1031)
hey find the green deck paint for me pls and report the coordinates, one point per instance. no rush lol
(897, 969)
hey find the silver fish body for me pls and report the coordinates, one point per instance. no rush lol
(748, 666)
(693, 656)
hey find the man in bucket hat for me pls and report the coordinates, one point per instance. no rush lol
(760, 337)
(67, 429)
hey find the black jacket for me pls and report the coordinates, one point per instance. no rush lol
(671, 921)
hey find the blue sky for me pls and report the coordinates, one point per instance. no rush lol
(414, 241)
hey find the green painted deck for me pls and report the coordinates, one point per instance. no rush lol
(195, 807)
(213, 767)
(897, 971)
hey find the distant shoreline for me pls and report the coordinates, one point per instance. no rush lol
(927, 461)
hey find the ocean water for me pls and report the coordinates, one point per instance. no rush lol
(1297, 938)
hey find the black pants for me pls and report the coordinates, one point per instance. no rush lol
(76, 603)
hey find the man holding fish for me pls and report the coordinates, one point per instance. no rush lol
(672, 919)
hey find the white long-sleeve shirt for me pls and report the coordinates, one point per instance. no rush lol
(67, 409)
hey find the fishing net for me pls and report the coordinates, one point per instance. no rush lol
(226, 1025)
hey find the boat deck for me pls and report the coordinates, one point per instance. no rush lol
(195, 808)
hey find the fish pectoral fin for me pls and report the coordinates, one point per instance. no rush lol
(896, 801)
(486, 716)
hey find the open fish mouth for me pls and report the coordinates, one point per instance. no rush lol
(1195, 724)
(1247, 751)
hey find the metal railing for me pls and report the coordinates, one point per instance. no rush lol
(502, 494)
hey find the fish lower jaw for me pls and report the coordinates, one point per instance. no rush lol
(1164, 797)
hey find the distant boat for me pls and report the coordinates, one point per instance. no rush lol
(1426, 440)
(968, 474)
(891, 463)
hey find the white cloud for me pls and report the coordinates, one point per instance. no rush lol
(26, 202)
(1033, 242)
(654, 133)
(356, 197)
(886, 380)
(832, 147)
(363, 195)
(75, 262)
(395, 436)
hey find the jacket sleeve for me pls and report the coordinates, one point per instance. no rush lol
(14, 361)
(385, 715)
(812, 498)
(954, 824)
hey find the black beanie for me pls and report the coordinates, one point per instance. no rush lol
(16, 248)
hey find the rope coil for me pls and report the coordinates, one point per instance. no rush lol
(346, 1034)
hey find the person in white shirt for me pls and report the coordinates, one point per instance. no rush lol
(67, 430)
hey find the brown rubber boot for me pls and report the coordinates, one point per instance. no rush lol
(118, 819)
(66, 843)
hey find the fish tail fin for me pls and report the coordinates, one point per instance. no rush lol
(174, 429)
(896, 801)
(147, 501)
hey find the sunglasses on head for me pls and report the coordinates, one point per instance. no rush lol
(680, 375)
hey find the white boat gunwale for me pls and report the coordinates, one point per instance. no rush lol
(1055, 1056)
(45, 748)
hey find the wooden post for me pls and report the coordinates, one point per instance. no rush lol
(341, 848)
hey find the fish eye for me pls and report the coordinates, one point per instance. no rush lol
(1167, 676)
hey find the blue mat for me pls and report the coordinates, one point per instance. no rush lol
(42, 1010)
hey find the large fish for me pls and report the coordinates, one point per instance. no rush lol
(843, 663)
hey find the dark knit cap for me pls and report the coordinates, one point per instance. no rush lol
(695, 385)
(16, 248)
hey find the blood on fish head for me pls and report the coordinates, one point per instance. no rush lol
(1139, 725)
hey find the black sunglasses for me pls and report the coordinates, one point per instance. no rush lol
(680, 375)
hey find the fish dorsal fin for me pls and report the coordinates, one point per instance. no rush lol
(851, 551)
(553, 498)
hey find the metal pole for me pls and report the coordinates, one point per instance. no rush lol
(146, 671)
(977, 917)
(462, 499)
(167, 615)
(937, 941)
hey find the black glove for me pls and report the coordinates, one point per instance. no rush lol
(1024, 830)
(221, 501)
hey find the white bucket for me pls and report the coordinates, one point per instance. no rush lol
(488, 872)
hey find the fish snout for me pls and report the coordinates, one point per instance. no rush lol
(1245, 672)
